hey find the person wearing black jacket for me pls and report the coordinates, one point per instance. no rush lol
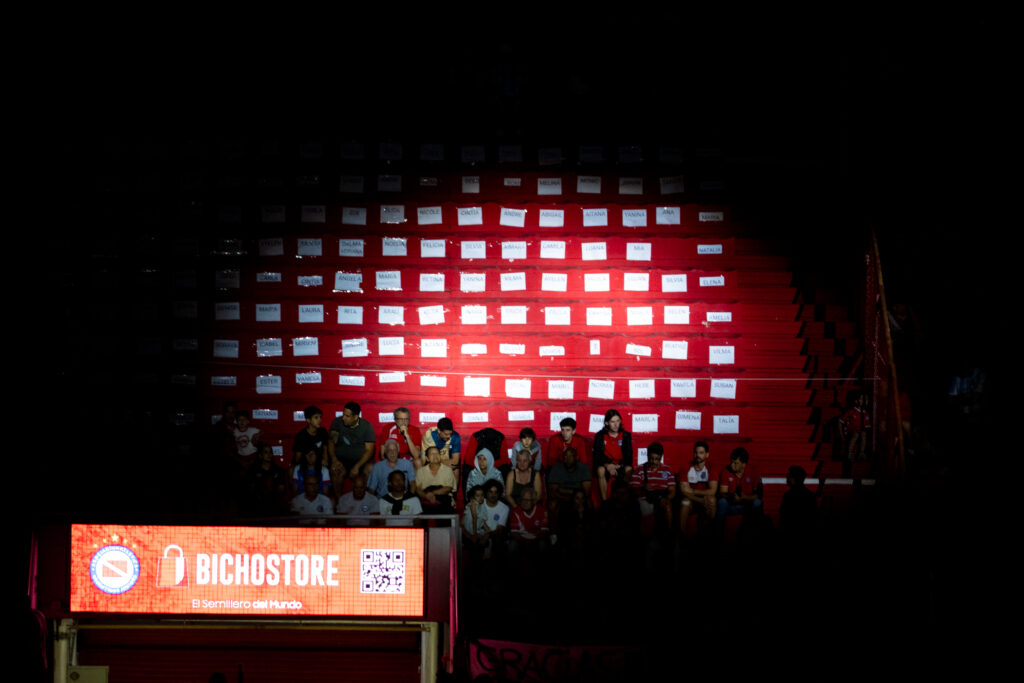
(613, 452)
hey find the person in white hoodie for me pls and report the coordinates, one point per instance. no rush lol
(483, 469)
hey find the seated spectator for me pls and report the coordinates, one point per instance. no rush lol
(528, 524)
(447, 441)
(566, 438)
(247, 438)
(522, 478)
(378, 482)
(358, 501)
(266, 486)
(699, 488)
(405, 434)
(575, 526)
(485, 520)
(798, 512)
(483, 470)
(613, 452)
(398, 501)
(566, 478)
(353, 440)
(436, 484)
(739, 489)
(528, 442)
(655, 486)
(311, 501)
(311, 463)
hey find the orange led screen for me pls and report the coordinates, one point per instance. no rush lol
(247, 571)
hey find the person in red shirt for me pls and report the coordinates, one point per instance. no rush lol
(655, 484)
(528, 525)
(739, 489)
(567, 438)
(407, 436)
(613, 452)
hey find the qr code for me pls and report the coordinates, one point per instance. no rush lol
(382, 571)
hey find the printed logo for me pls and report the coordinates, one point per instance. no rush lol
(114, 569)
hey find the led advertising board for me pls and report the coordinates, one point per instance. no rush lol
(247, 571)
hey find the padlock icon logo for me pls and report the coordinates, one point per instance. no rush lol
(172, 571)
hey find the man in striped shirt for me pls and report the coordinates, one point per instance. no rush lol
(655, 483)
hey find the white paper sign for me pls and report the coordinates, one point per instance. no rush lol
(227, 310)
(268, 277)
(350, 315)
(726, 424)
(431, 282)
(389, 183)
(392, 214)
(432, 248)
(514, 218)
(637, 350)
(394, 246)
(688, 420)
(513, 282)
(310, 246)
(429, 215)
(472, 154)
(674, 350)
(476, 386)
(305, 346)
(353, 215)
(552, 249)
(383, 418)
(311, 313)
(475, 417)
(314, 214)
(269, 347)
(223, 381)
(713, 281)
(596, 423)
(551, 351)
(273, 246)
(638, 251)
(641, 388)
(556, 315)
(268, 313)
(589, 184)
(433, 381)
(431, 152)
(675, 282)
(639, 315)
(600, 388)
(307, 378)
(513, 250)
(510, 154)
(597, 282)
(631, 185)
(671, 184)
(354, 348)
(723, 388)
(549, 186)
(351, 184)
(520, 416)
(273, 213)
(677, 315)
(634, 218)
(353, 248)
(517, 388)
(474, 315)
(668, 215)
(391, 346)
(594, 251)
(709, 248)
(470, 215)
(512, 181)
(556, 417)
(348, 282)
(433, 348)
(711, 216)
(225, 348)
(512, 349)
(599, 317)
(268, 384)
(227, 279)
(473, 282)
(513, 315)
(474, 349)
(431, 315)
(352, 380)
(560, 388)
(390, 377)
(635, 282)
(595, 347)
(591, 154)
(684, 388)
(470, 185)
(721, 355)
(389, 280)
(474, 250)
(315, 280)
(186, 310)
(645, 423)
(391, 315)
(551, 218)
(554, 282)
